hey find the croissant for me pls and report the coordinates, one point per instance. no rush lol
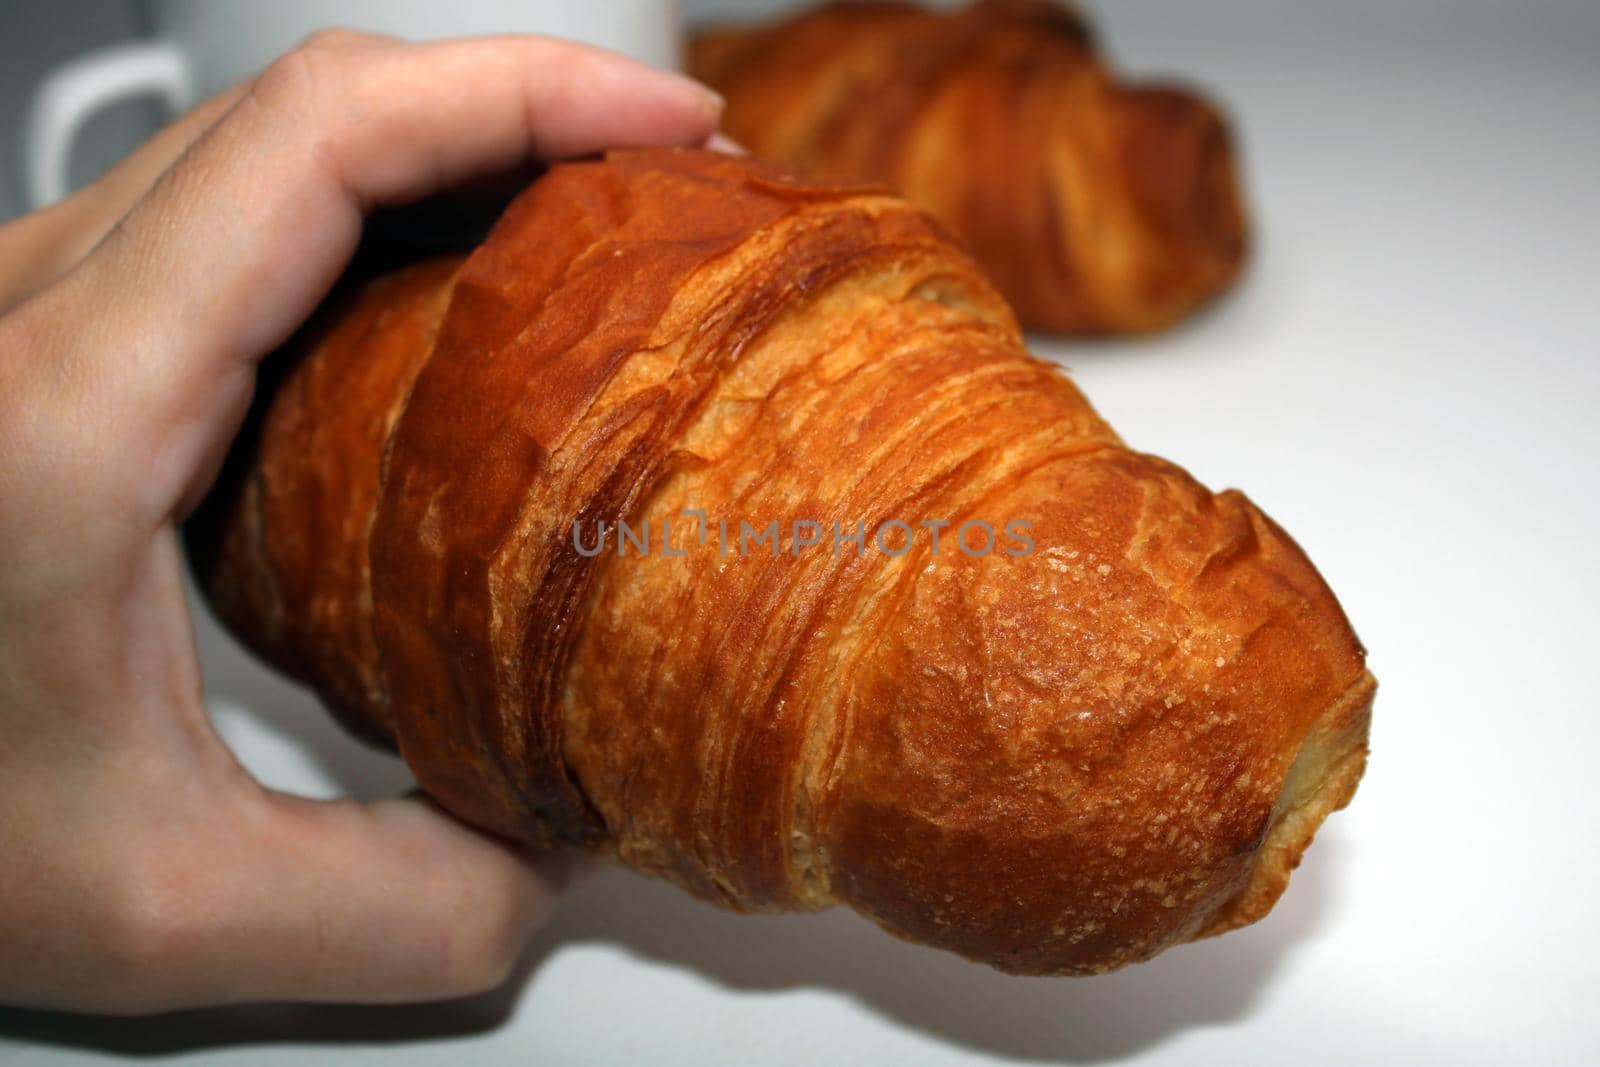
(1096, 206)
(625, 530)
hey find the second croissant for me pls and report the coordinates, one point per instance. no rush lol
(1097, 206)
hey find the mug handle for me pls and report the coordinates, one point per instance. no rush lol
(76, 90)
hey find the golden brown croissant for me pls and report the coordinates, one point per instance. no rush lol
(1095, 206)
(1109, 724)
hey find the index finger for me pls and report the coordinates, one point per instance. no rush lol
(239, 240)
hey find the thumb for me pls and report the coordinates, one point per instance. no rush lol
(336, 901)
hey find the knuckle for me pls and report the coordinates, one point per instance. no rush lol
(300, 76)
(336, 38)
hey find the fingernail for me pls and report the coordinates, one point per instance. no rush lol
(721, 142)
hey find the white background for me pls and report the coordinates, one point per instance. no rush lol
(1408, 380)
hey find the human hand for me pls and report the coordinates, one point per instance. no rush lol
(141, 868)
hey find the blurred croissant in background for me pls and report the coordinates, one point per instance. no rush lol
(1096, 206)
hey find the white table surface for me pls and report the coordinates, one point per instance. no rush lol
(1408, 380)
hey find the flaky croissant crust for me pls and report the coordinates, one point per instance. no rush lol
(1096, 205)
(1056, 761)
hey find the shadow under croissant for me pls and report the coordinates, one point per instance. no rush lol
(1211, 983)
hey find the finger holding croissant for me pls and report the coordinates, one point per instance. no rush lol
(1096, 205)
(1115, 729)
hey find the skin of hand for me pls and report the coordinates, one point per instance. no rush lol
(142, 869)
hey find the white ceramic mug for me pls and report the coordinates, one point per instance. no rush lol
(203, 46)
